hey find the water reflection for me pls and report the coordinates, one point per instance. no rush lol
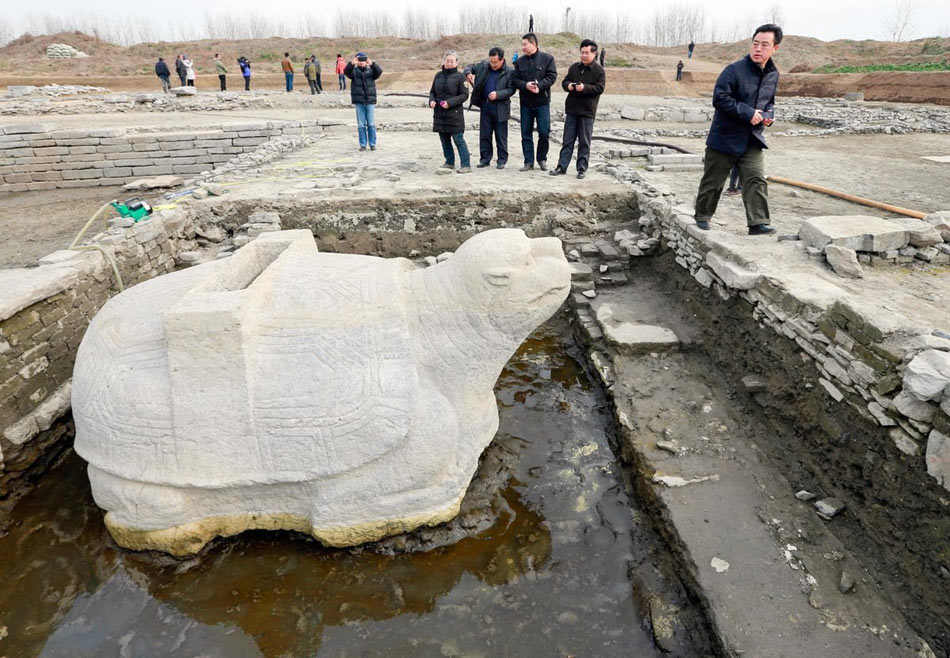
(551, 570)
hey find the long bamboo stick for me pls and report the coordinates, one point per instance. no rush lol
(847, 197)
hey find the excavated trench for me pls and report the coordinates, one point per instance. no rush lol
(561, 547)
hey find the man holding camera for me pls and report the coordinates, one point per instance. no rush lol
(535, 74)
(584, 83)
(364, 72)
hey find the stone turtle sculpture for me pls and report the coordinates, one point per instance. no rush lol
(345, 396)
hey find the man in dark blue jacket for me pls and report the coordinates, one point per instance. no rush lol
(744, 99)
(161, 70)
(492, 89)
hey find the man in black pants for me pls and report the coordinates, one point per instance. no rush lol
(584, 83)
(492, 89)
(535, 74)
(744, 99)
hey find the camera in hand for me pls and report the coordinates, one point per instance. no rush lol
(362, 58)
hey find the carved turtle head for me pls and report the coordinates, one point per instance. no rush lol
(519, 282)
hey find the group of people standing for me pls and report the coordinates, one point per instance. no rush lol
(185, 70)
(493, 82)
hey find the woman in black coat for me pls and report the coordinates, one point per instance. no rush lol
(447, 98)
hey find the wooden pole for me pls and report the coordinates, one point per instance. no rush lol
(848, 197)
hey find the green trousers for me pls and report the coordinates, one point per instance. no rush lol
(755, 190)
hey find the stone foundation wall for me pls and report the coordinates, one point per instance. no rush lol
(35, 157)
(44, 312)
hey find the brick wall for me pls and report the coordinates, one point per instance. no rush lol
(36, 157)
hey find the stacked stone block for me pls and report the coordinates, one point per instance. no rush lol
(35, 157)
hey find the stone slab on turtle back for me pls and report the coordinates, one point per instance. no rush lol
(345, 396)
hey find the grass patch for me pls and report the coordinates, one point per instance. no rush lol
(617, 61)
(871, 68)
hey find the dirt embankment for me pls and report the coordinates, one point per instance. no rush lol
(905, 87)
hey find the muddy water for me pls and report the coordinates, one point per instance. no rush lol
(548, 576)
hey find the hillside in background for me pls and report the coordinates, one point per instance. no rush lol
(26, 55)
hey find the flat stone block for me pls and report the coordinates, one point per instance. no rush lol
(856, 232)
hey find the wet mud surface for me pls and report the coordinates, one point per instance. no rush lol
(549, 556)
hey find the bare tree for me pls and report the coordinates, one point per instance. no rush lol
(776, 14)
(902, 20)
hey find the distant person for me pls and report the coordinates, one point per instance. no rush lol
(584, 83)
(744, 99)
(679, 70)
(735, 186)
(447, 97)
(530, 22)
(340, 66)
(288, 67)
(310, 73)
(189, 71)
(221, 71)
(364, 72)
(161, 70)
(245, 71)
(535, 74)
(603, 54)
(180, 69)
(316, 65)
(492, 89)
(689, 49)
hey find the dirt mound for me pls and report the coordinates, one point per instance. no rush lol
(27, 46)
(904, 87)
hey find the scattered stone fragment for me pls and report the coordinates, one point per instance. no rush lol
(154, 183)
(846, 584)
(828, 508)
(189, 257)
(844, 262)
(805, 495)
(589, 294)
(668, 446)
(927, 375)
(938, 458)
(677, 481)
(720, 565)
(856, 232)
(753, 384)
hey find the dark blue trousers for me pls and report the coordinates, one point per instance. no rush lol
(489, 125)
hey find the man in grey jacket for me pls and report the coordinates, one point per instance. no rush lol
(491, 81)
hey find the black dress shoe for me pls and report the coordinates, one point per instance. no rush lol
(500, 165)
(581, 174)
(761, 229)
(542, 165)
(527, 167)
(702, 224)
(482, 165)
(557, 171)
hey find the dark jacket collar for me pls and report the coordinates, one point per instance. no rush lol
(769, 66)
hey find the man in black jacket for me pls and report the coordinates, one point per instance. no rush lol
(584, 83)
(491, 81)
(161, 70)
(180, 69)
(744, 99)
(535, 74)
(364, 72)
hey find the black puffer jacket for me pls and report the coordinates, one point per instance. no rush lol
(503, 87)
(363, 89)
(449, 86)
(539, 66)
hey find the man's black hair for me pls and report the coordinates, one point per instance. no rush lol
(286, 54)
(497, 52)
(770, 27)
(589, 42)
(530, 36)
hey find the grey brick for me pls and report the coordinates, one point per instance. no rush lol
(157, 170)
(82, 174)
(189, 169)
(178, 146)
(26, 128)
(87, 141)
(51, 150)
(249, 141)
(113, 148)
(149, 146)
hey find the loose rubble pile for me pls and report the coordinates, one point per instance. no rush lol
(849, 242)
(63, 51)
(201, 102)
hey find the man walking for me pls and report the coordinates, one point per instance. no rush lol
(689, 49)
(161, 70)
(363, 72)
(491, 81)
(603, 54)
(180, 69)
(679, 70)
(535, 74)
(316, 70)
(584, 83)
(221, 71)
(744, 99)
(288, 68)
